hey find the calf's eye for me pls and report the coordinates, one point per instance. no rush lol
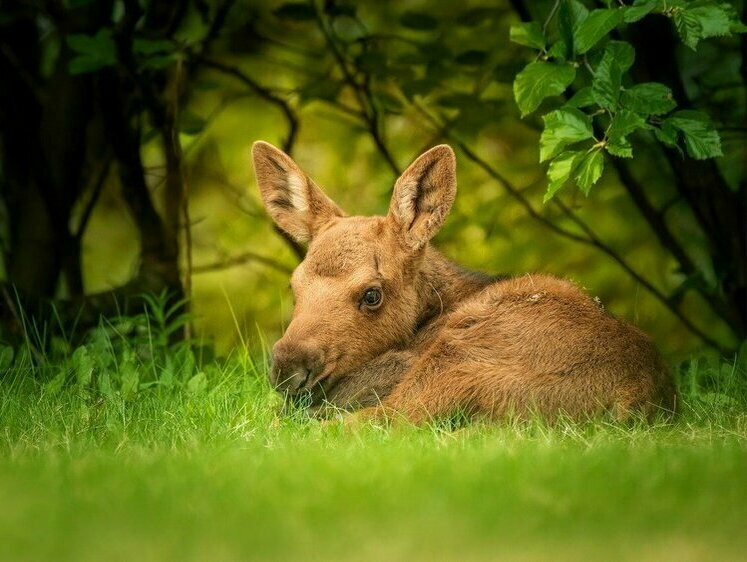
(371, 298)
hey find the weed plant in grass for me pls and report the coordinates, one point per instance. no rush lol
(130, 447)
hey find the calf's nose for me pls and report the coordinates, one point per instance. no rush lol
(293, 365)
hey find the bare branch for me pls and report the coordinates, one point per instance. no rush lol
(242, 259)
(263, 92)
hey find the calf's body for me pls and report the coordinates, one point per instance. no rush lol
(384, 322)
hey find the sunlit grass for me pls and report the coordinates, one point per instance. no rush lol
(201, 461)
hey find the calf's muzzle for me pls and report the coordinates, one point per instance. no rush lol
(294, 365)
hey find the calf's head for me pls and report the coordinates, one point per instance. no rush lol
(355, 292)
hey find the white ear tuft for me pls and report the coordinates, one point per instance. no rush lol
(293, 201)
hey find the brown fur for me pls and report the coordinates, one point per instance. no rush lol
(443, 339)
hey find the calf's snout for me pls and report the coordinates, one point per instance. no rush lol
(294, 365)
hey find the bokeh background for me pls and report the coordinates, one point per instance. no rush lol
(127, 129)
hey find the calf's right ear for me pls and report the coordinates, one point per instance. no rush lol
(293, 201)
(423, 196)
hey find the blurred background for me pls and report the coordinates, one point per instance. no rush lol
(127, 125)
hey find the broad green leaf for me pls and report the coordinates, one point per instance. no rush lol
(641, 9)
(528, 34)
(570, 16)
(6, 358)
(83, 366)
(598, 24)
(701, 138)
(372, 62)
(540, 80)
(607, 81)
(130, 379)
(623, 123)
(563, 127)
(191, 123)
(621, 148)
(666, 134)
(558, 51)
(94, 52)
(649, 98)
(714, 21)
(560, 171)
(589, 170)
(622, 53)
(197, 384)
(295, 11)
(418, 21)
(582, 98)
(688, 27)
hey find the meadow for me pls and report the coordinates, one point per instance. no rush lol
(131, 447)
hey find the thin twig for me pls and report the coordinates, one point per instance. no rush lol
(98, 187)
(242, 259)
(263, 92)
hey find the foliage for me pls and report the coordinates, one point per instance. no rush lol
(161, 99)
(576, 54)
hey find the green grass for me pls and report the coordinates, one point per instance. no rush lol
(193, 462)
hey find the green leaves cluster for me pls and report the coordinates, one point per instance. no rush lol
(96, 52)
(577, 55)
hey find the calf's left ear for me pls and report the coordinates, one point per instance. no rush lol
(293, 201)
(423, 196)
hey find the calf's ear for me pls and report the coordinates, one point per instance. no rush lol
(423, 196)
(291, 198)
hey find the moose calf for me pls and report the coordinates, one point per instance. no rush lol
(384, 321)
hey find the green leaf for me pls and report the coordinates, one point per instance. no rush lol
(641, 9)
(6, 358)
(295, 11)
(622, 53)
(714, 21)
(598, 24)
(582, 98)
(590, 170)
(649, 98)
(621, 148)
(191, 123)
(540, 80)
(418, 21)
(667, 134)
(372, 62)
(471, 58)
(130, 379)
(197, 384)
(94, 52)
(570, 16)
(83, 366)
(607, 81)
(558, 51)
(701, 138)
(528, 34)
(688, 27)
(563, 127)
(623, 123)
(560, 171)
